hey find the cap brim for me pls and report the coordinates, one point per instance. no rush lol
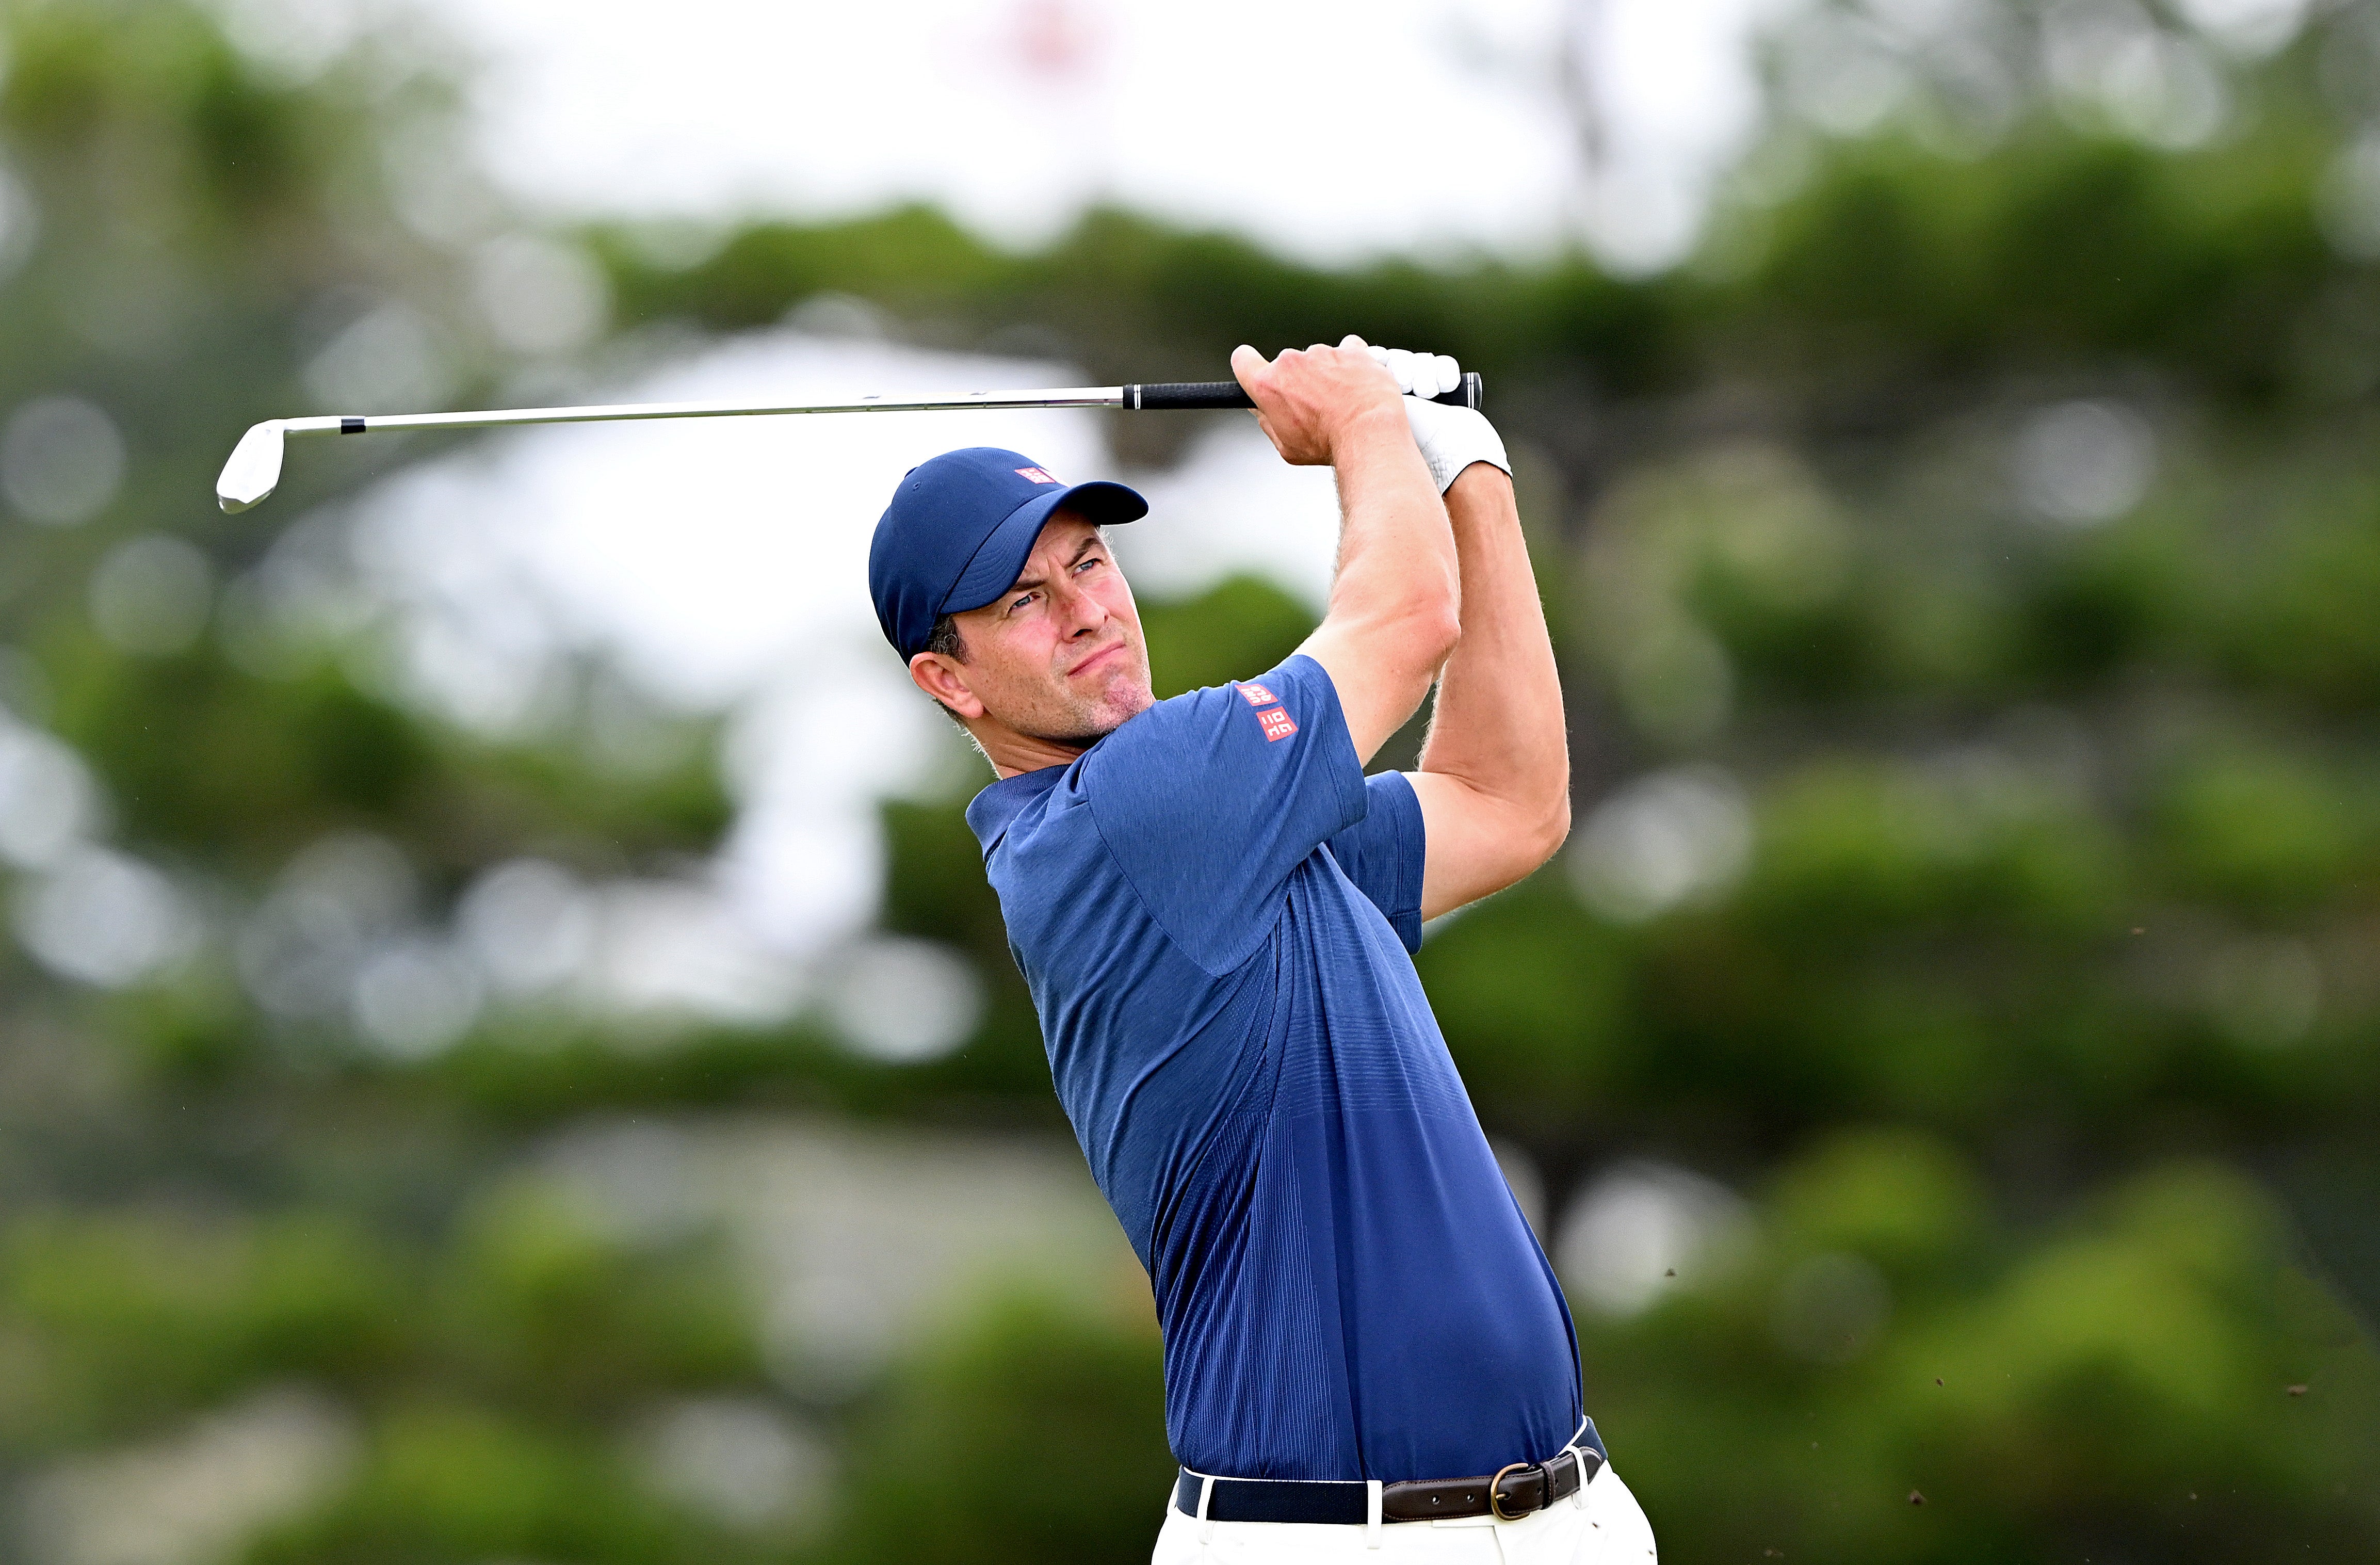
(1001, 560)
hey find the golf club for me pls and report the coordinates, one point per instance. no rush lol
(254, 469)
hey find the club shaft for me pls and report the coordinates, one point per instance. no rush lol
(1079, 396)
(254, 470)
(1152, 395)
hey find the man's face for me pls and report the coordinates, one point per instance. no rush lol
(1059, 656)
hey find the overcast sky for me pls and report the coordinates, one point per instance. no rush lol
(1331, 128)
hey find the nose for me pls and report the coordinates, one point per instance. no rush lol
(1078, 613)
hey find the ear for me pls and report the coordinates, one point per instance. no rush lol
(945, 680)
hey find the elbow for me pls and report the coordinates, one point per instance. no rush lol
(1551, 829)
(1424, 639)
(1558, 825)
(1419, 647)
(1409, 642)
(1429, 618)
(1529, 839)
(1432, 605)
(1430, 630)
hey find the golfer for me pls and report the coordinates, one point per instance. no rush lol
(1216, 911)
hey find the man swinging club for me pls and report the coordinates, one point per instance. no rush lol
(1215, 909)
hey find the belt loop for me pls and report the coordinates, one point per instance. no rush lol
(1206, 1494)
(1578, 1465)
(1371, 1513)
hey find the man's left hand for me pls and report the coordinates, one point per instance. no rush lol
(1451, 437)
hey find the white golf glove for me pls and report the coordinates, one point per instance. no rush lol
(1451, 437)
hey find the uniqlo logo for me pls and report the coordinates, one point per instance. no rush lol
(1035, 474)
(1278, 724)
(1256, 695)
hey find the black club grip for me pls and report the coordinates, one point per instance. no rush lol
(1229, 394)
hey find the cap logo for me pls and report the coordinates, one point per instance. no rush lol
(1035, 474)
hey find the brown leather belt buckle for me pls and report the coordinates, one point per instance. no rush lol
(1495, 1497)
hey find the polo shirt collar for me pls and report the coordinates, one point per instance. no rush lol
(990, 812)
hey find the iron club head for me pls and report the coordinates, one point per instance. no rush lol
(254, 467)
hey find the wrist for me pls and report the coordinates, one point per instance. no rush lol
(1370, 427)
(1481, 482)
(1480, 501)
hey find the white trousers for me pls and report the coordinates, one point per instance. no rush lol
(1600, 1525)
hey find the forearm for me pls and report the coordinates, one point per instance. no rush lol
(1395, 599)
(1396, 554)
(1498, 727)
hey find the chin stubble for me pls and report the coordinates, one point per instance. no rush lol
(1075, 739)
(1084, 738)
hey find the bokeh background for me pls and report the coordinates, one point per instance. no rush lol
(506, 1055)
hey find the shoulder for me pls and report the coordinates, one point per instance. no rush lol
(1251, 714)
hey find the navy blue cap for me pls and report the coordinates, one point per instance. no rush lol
(958, 532)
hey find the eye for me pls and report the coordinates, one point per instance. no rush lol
(1022, 599)
(1085, 564)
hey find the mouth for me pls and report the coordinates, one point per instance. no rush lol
(1096, 659)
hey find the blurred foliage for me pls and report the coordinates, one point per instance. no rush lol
(2147, 1330)
(1003, 1399)
(1242, 622)
(1964, 569)
(458, 1482)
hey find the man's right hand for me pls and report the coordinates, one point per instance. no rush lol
(1310, 401)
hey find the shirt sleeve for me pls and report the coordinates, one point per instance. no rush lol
(1208, 801)
(1385, 852)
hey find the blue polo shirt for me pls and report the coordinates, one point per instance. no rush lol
(1216, 911)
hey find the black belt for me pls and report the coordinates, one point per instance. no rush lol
(1516, 1491)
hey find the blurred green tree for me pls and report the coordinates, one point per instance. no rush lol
(1963, 571)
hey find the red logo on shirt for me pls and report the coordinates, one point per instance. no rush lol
(1278, 724)
(1035, 474)
(1256, 695)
